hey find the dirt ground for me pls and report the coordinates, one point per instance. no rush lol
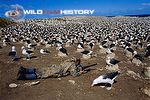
(126, 87)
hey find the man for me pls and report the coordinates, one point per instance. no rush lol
(71, 66)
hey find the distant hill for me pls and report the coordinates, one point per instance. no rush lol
(5, 22)
(142, 15)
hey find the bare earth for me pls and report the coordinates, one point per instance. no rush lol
(126, 87)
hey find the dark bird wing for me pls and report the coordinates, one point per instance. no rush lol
(46, 51)
(127, 44)
(104, 46)
(139, 56)
(103, 42)
(29, 52)
(114, 61)
(12, 53)
(91, 44)
(85, 52)
(63, 50)
(7, 39)
(28, 41)
(148, 48)
(33, 45)
(111, 75)
(112, 45)
(130, 50)
(81, 45)
(147, 54)
(58, 42)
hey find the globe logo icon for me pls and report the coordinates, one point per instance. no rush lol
(15, 12)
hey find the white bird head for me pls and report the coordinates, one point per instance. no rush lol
(135, 52)
(42, 51)
(13, 48)
(148, 44)
(100, 46)
(79, 46)
(127, 47)
(108, 51)
(59, 47)
(22, 47)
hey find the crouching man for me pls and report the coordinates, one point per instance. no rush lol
(68, 67)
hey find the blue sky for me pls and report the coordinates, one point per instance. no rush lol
(101, 7)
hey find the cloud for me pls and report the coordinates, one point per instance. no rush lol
(146, 4)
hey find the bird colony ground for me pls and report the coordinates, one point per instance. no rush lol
(127, 87)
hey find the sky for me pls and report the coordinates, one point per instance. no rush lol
(101, 7)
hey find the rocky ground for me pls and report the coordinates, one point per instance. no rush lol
(128, 86)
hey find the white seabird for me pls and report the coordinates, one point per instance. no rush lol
(31, 46)
(86, 54)
(129, 52)
(42, 51)
(106, 80)
(80, 47)
(111, 61)
(62, 52)
(91, 45)
(109, 51)
(13, 53)
(26, 53)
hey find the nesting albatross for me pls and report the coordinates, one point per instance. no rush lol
(106, 80)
